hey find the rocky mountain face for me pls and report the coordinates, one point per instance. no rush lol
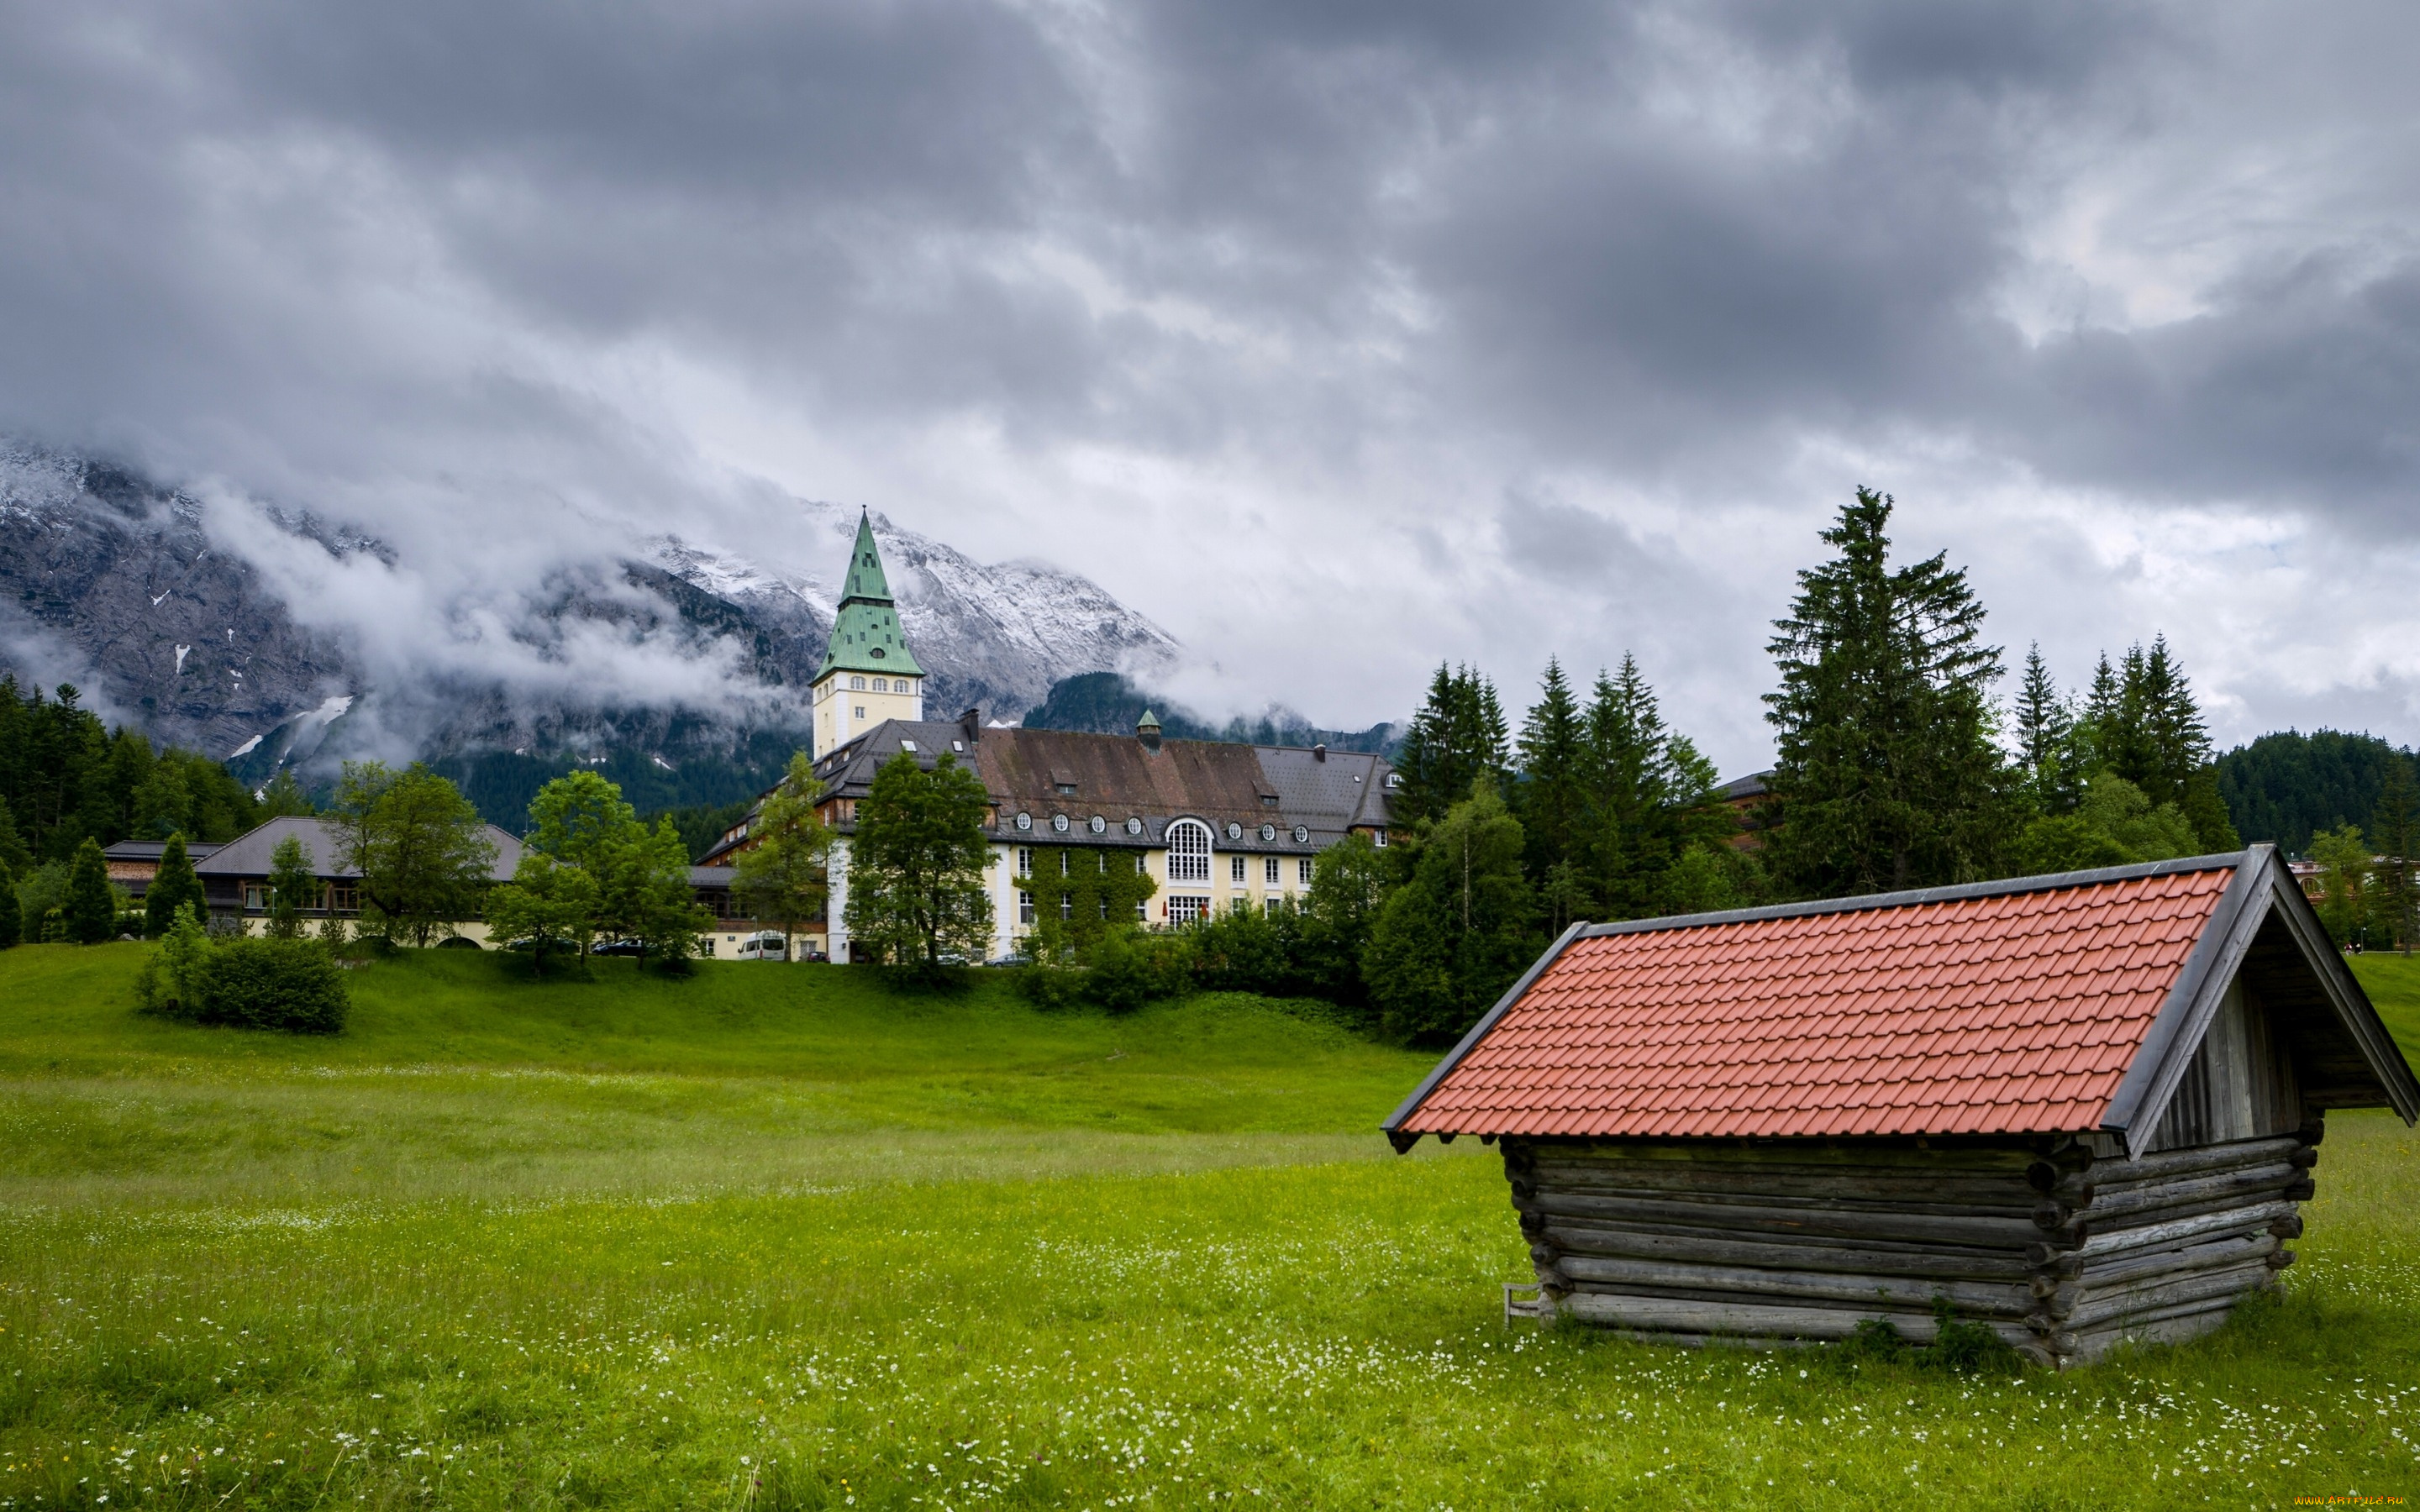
(117, 582)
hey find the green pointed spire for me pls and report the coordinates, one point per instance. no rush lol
(865, 579)
(866, 634)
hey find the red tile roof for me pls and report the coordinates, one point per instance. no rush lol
(2015, 1012)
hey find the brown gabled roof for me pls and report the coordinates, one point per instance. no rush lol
(2044, 1005)
(1321, 794)
(1116, 775)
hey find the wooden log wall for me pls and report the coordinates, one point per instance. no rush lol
(1783, 1241)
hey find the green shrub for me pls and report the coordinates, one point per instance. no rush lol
(1130, 968)
(292, 985)
(1050, 983)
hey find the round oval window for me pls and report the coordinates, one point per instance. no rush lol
(1133, 826)
(1059, 823)
(1097, 824)
(1234, 831)
(1025, 821)
(1268, 832)
(1301, 835)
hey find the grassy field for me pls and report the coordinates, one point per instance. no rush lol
(774, 1238)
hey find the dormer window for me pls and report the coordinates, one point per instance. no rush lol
(1066, 790)
(1268, 800)
(907, 745)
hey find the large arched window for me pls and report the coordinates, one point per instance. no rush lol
(1188, 851)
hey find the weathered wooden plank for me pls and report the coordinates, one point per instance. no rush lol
(2162, 1325)
(2144, 1297)
(2126, 1268)
(1996, 1189)
(1711, 1154)
(1663, 1277)
(1981, 1231)
(1809, 1255)
(2180, 1163)
(2115, 1206)
(1751, 1321)
(2019, 1203)
(2248, 1219)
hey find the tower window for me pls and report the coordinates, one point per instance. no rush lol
(856, 685)
(880, 686)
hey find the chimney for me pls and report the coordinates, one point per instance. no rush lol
(1147, 731)
(972, 723)
(1319, 752)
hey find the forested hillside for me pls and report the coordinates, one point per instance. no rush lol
(2286, 787)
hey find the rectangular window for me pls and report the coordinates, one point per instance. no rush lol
(1143, 913)
(1140, 869)
(881, 686)
(256, 897)
(860, 711)
(1025, 860)
(1185, 910)
(1378, 838)
(1025, 908)
(1269, 872)
(1062, 862)
(1302, 871)
(1273, 905)
(344, 900)
(1066, 905)
(1236, 869)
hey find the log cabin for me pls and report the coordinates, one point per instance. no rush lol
(2078, 1109)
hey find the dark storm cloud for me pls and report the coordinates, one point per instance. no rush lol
(1352, 265)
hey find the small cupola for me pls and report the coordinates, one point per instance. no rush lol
(1147, 731)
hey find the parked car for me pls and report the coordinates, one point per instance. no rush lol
(617, 948)
(765, 944)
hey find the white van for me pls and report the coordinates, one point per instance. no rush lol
(766, 944)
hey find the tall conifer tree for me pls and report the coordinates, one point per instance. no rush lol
(1553, 793)
(1457, 738)
(1887, 775)
(1649, 791)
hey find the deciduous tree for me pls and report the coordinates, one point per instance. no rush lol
(785, 879)
(916, 893)
(550, 904)
(1451, 940)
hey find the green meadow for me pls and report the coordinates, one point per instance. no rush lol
(779, 1237)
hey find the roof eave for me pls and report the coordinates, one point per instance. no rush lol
(1393, 1124)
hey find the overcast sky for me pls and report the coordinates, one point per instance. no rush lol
(1340, 339)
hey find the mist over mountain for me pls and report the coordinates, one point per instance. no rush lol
(269, 634)
(1111, 703)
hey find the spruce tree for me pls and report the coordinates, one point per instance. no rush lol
(1457, 738)
(13, 918)
(2046, 738)
(1887, 775)
(1649, 792)
(174, 886)
(90, 910)
(1554, 791)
